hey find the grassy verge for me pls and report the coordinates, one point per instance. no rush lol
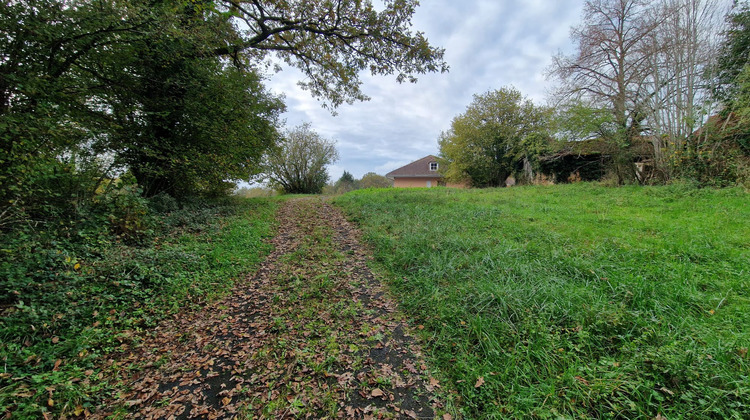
(70, 299)
(574, 300)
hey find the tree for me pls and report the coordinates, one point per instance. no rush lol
(160, 85)
(345, 184)
(194, 124)
(683, 48)
(643, 60)
(734, 55)
(500, 133)
(298, 164)
(47, 111)
(610, 68)
(373, 180)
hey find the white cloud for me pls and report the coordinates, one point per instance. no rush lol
(489, 44)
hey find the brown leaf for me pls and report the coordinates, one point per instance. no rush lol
(480, 382)
(447, 416)
(226, 400)
(57, 365)
(665, 389)
(50, 402)
(376, 392)
(434, 382)
(55, 340)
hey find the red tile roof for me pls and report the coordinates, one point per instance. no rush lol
(416, 169)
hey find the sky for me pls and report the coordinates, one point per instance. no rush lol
(488, 44)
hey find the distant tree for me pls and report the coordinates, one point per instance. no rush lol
(682, 49)
(500, 133)
(298, 164)
(345, 184)
(347, 177)
(245, 192)
(373, 180)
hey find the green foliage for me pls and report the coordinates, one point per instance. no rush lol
(577, 121)
(373, 180)
(735, 53)
(331, 43)
(717, 155)
(298, 164)
(499, 133)
(203, 123)
(347, 183)
(346, 177)
(171, 90)
(574, 301)
(74, 291)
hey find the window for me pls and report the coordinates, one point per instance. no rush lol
(433, 166)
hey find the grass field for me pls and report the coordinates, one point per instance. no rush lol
(574, 300)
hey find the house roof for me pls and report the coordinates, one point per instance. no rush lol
(417, 169)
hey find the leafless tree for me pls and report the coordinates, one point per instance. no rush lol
(610, 68)
(644, 60)
(685, 48)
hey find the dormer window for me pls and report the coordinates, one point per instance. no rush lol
(433, 166)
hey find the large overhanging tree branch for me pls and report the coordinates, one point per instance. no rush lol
(332, 41)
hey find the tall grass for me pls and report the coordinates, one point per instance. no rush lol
(574, 300)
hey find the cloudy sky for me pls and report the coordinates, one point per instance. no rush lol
(488, 44)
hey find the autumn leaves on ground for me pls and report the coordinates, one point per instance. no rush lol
(311, 334)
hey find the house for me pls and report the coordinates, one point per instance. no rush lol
(420, 173)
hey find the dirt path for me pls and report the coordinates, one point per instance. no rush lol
(311, 334)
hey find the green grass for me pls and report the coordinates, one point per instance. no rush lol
(574, 300)
(69, 301)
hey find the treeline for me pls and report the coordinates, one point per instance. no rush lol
(656, 91)
(168, 96)
(347, 183)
